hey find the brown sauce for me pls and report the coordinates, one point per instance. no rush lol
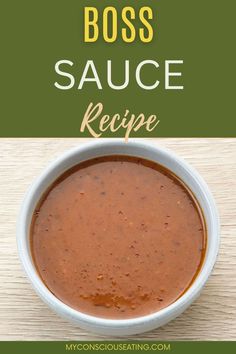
(118, 237)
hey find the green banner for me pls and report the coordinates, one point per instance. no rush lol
(117, 347)
(180, 61)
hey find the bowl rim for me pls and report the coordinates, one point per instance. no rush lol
(89, 320)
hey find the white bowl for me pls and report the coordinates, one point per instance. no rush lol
(117, 147)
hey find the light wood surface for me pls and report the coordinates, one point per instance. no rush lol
(23, 316)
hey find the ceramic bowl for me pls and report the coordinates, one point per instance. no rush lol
(117, 147)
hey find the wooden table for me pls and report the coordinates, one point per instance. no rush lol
(23, 316)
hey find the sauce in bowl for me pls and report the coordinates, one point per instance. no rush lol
(118, 237)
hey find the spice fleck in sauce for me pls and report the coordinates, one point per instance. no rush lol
(118, 237)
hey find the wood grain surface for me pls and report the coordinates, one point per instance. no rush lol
(23, 316)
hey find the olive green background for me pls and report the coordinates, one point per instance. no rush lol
(36, 34)
(60, 347)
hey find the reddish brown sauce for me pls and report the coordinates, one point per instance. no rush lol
(118, 237)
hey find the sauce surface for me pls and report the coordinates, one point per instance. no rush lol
(118, 237)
